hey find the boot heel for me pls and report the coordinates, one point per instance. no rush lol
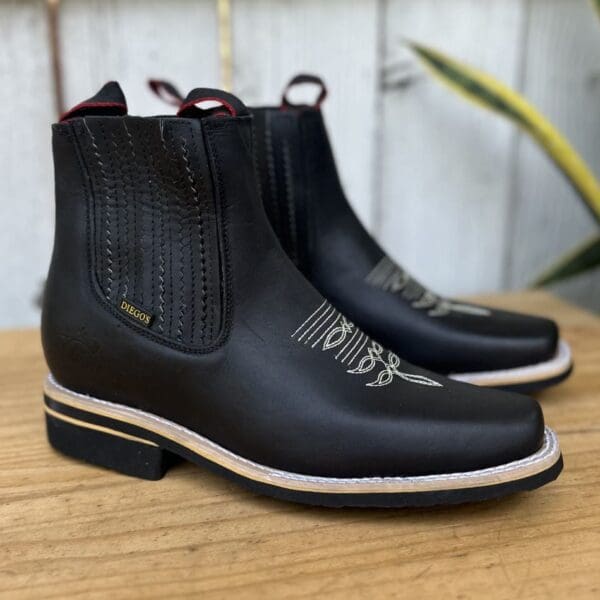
(106, 447)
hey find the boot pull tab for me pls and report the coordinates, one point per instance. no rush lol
(109, 101)
(166, 91)
(298, 80)
(230, 105)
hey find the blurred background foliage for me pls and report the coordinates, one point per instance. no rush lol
(484, 90)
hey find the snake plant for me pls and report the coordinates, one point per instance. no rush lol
(484, 90)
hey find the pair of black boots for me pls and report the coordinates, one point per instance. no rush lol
(212, 296)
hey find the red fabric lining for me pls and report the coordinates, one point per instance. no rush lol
(87, 105)
(195, 101)
(166, 92)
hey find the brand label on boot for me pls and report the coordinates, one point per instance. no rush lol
(132, 311)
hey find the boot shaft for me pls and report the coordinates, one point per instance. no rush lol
(155, 224)
(302, 193)
(146, 213)
(300, 186)
(174, 322)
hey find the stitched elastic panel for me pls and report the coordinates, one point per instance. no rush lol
(280, 161)
(154, 232)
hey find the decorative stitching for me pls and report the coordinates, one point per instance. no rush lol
(389, 277)
(133, 204)
(271, 167)
(289, 194)
(327, 331)
(390, 368)
(169, 186)
(75, 134)
(182, 305)
(353, 348)
(156, 195)
(339, 334)
(109, 254)
(333, 334)
(310, 317)
(162, 259)
(328, 308)
(122, 254)
(363, 343)
(209, 305)
(197, 218)
(212, 130)
(330, 315)
(347, 344)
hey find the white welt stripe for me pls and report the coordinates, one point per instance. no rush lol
(538, 462)
(554, 367)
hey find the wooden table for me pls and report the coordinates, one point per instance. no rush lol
(68, 529)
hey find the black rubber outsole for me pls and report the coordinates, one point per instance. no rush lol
(151, 462)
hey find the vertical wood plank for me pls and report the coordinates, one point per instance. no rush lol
(562, 78)
(275, 40)
(26, 208)
(135, 39)
(460, 190)
(446, 165)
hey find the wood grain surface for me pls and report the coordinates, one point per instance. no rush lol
(68, 530)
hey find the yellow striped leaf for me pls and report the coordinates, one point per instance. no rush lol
(583, 258)
(486, 91)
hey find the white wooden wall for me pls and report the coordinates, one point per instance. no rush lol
(457, 195)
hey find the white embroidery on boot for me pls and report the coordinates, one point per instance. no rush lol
(389, 368)
(389, 277)
(329, 330)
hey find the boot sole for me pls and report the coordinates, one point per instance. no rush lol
(144, 445)
(528, 378)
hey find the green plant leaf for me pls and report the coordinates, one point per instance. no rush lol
(486, 91)
(596, 5)
(583, 258)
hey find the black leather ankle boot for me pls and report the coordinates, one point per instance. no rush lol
(317, 227)
(315, 224)
(174, 325)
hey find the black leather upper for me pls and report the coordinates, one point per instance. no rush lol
(155, 224)
(228, 358)
(318, 229)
